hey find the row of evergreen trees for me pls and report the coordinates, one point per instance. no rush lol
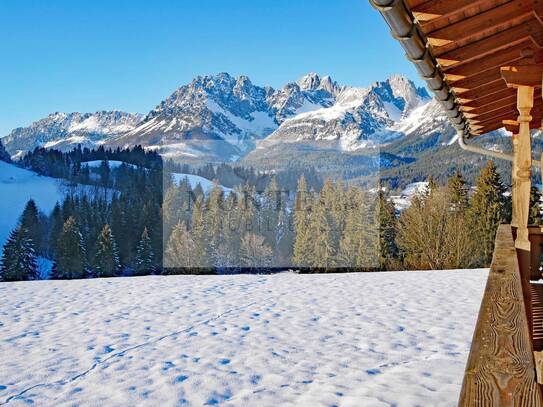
(336, 228)
(447, 227)
(126, 228)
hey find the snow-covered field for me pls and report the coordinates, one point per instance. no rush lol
(111, 164)
(367, 339)
(17, 186)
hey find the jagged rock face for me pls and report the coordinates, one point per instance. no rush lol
(307, 94)
(358, 118)
(213, 117)
(65, 130)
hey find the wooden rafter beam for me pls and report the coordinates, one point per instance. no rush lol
(527, 75)
(484, 79)
(489, 107)
(506, 113)
(511, 117)
(490, 88)
(505, 94)
(509, 127)
(493, 102)
(432, 9)
(502, 15)
(497, 59)
(531, 30)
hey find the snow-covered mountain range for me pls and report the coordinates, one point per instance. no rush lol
(225, 118)
(65, 130)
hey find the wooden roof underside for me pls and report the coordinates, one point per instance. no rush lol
(471, 40)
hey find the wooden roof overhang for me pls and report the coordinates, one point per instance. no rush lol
(460, 48)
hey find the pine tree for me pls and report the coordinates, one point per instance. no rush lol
(19, 258)
(144, 255)
(458, 191)
(4, 156)
(71, 258)
(535, 207)
(56, 224)
(432, 185)
(349, 246)
(30, 220)
(322, 254)
(271, 207)
(201, 255)
(387, 232)
(434, 236)
(488, 208)
(106, 260)
(179, 252)
(254, 252)
(302, 211)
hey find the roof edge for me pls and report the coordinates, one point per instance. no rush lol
(415, 44)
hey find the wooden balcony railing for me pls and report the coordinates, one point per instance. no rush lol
(501, 367)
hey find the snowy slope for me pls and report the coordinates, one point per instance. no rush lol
(194, 180)
(403, 201)
(17, 186)
(365, 339)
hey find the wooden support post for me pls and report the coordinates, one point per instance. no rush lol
(525, 102)
(514, 192)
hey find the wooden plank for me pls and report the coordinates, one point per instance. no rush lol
(494, 102)
(527, 75)
(432, 9)
(495, 60)
(498, 16)
(480, 80)
(536, 114)
(500, 369)
(491, 88)
(493, 43)
(503, 94)
(488, 127)
(497, 103)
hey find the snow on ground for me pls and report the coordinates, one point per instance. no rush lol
(111, 163)
(17, 186)
(194, 180)
(366, 339)
(403, 201)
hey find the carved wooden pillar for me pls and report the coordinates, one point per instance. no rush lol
(514, 192)
(525, 102)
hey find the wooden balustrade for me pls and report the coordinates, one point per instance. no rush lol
(501, 368)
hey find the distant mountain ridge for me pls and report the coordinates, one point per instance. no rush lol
(64, 131)
(223, 118)
(391, 129)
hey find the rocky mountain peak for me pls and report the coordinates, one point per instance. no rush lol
(313, 82)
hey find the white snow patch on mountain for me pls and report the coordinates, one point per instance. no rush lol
(359, 339)
(261, 123)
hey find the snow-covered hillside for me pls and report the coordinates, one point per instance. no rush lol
(403, 200)
(17, 186)
(362, 339)
(194, 180)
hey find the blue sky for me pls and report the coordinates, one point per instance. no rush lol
(129, 55)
